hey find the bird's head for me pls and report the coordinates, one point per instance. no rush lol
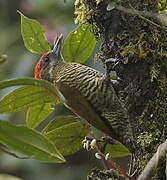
(45, 66)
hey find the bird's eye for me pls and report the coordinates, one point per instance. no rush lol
(46, 59)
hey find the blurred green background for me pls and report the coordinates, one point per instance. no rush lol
(56, 17)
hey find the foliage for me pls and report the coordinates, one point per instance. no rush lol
(29, 142)
(68, 130)
(33, 35)
(79, 44)
(117, 150)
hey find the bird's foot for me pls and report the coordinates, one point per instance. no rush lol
(110, 65)
(108, 140)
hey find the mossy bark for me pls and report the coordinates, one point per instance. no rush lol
(140, 45)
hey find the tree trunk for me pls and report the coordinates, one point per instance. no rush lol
(138, 41)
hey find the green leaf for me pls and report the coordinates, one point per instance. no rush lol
(26, 81)
(37, 113)
(50, 88)
(8, 177)
(11, 153)
(66, 133)
(117, 150)
(33, 35)
(24, 97)
(29, 81)
(79, 44)
(29, 142)
(59, 122)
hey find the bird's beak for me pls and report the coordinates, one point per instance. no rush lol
(57, 46)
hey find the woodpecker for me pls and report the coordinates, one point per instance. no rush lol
(86, 92)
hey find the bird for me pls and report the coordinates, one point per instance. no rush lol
(86, 92)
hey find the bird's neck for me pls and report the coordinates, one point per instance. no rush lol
(57, 70)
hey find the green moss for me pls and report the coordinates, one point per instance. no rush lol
(90, 12)
(153, 125)
(145, 139)
(162, 6)
(143, 162)
(154, 72)
(82, 12)
(98, 1)
(160, 102)
(135, 49)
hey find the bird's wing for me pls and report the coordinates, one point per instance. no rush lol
(76, 102)
(111, 110)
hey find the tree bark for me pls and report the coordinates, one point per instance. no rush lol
(158, 158)
(138, 40)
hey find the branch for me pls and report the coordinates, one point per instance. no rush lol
(155, 161)
(158, 16)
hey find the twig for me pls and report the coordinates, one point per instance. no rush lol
(114, 165)
(104, 162)
(154, 162)
(109, 161)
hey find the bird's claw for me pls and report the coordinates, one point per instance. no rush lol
(110, 65)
